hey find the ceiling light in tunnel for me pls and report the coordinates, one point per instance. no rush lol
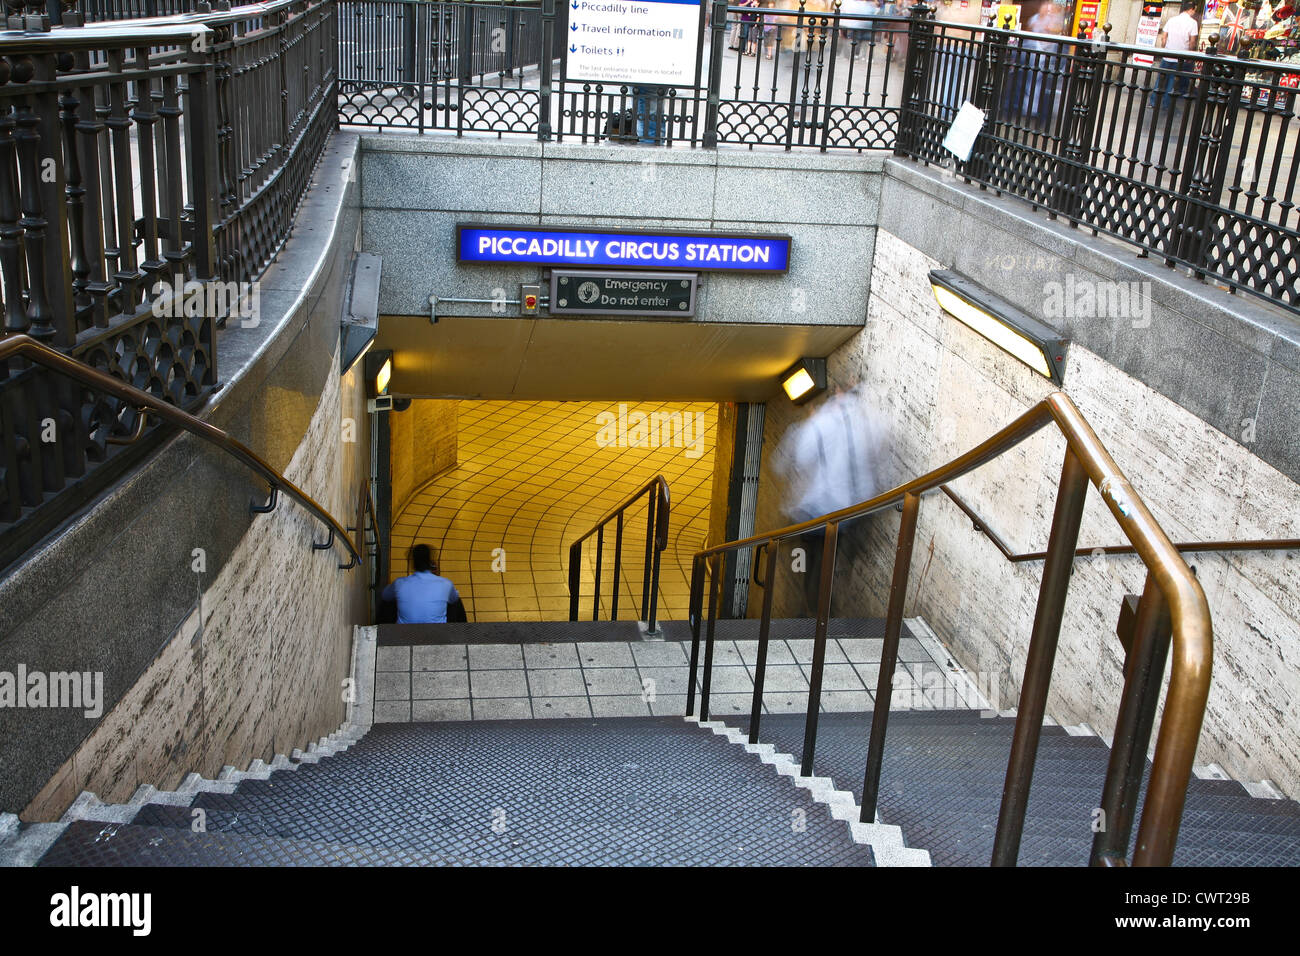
(384, 376)
(805, 380)
(1037, 345)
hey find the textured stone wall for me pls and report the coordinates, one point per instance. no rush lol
(422, 446)
(220, 635)
(939, 390)
(257, 667)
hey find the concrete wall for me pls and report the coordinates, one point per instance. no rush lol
(422, 445)
(415, 191)
(939, 389)
(221, 636)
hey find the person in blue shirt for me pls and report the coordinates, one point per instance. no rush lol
(422, 597)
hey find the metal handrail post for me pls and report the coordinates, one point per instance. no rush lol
(819, 647)
(660, 493)
(715, 578)
(889, 656)
(575, 579)
(693, 613)
(1070, 497)
(649, 552)
(764, 628)
(595, 597)
(618, 566)
(1144, 670)
(650, 621)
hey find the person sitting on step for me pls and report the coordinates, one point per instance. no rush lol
(422, 597)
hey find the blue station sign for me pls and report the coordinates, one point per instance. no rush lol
(617, 249)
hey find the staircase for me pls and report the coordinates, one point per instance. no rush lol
(650, 790)
(616, 791)
(942, 779)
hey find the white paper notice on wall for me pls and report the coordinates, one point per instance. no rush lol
(961, 134)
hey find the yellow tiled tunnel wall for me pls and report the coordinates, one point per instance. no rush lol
(533, 476)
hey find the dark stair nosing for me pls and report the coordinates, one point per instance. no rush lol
(569, 632)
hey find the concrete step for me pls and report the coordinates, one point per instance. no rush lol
(564, 632)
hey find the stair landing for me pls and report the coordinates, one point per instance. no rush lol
(555, 669)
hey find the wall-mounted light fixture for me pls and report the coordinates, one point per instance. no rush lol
(361, 317)
(804, 380)
(378, 372)
(357, 340)
(1037, 345)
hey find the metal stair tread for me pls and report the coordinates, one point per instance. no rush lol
(521, 842)
(87, 844)
(630, 791)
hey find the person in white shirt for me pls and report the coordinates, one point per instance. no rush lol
(1179, 35)
(831, 460)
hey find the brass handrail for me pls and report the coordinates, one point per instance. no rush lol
(1186, 547)
(656, 540)
(1173, 600)
(13, 346)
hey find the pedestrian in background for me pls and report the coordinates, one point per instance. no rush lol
(829, 461)
(749, 21)
(1179, 35)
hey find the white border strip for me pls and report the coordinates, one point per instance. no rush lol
(885, 841)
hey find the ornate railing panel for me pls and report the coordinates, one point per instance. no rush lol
(821, 80)
(1192, 158)
(148, 173)
(97, 11)
(467, 67)
(1189, 156)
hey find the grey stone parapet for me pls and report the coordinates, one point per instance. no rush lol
(1233, 360)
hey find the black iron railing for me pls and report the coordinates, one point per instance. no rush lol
(1190, 156)
(148, 174)
(97, 11)
(658, 508)
(432, 65)
(816, 80)
(1172, 608)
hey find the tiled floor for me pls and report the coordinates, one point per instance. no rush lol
(487, 682)
(532, 477)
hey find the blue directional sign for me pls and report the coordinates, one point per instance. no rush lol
(684, 250)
